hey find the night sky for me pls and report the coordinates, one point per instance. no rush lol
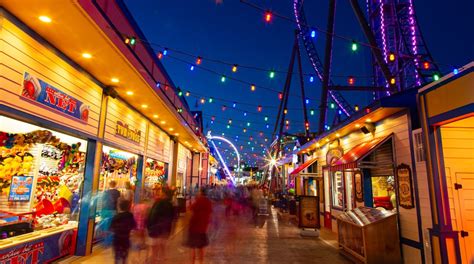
(235, 33)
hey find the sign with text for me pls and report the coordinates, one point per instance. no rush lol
(43, 250)
(405, 188)
(309, 212)
(127, 132)
(37, 90)
(20, 188)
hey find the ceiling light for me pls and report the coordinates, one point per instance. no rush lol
(163, 122)
(115, 80)
(86, 55)
(368, 120)
(337, 135)
(357, 125)
(129, 93)
(144, 106)
(171, 129)
(155, 116)
(45, 19)
(176, 134)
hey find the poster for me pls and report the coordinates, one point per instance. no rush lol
(43, 250)
(359, 189)
(309, 212)
(405, 188)
(20, 189)
(37, 90)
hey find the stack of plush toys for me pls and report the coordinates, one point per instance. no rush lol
(61, 164)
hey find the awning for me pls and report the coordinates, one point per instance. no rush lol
(303, 166)
(349, 159)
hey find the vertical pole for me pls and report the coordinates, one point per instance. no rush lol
(174, 163)
(303, 96)
(139, 184)
(327, 65)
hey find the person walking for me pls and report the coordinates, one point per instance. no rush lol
(121, 225)
(197, 239)
(128, 193)
(159, 223)
(109, 209)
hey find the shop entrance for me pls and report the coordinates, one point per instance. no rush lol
(458, 152)
(379, 179)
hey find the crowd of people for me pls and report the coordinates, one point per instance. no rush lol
(146, 225)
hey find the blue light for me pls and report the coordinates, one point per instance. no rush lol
(307, 101)
(245, 113)
(311, 79)
(192, 68)
(212, 122)
(267, 126)
(340, 112)
(157, 85)
(455, 71)
(313, 33)
(165, 51)
(234, 105)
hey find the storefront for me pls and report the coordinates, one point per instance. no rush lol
(305, 179)
(184, 169)
(368, 161)
(48, 118)
(447, 112)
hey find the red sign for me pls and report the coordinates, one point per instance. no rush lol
(26, 254)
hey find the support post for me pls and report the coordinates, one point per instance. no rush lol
(327, 65)
(174, 163)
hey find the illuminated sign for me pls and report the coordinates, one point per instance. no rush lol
(127, 132)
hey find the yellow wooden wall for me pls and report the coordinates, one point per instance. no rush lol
(20, 53)
(119, 111)
(159, 144)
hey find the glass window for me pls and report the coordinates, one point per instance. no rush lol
(41, 173)
(337, 190)
(156, 174)
(349, 193)
(383, 192)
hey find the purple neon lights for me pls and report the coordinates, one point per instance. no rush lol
(411, 20)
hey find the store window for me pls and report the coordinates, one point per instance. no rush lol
(41, 172)
(156, 175)
(118, 171)
(383, 192)
(349, 190)
(338, 190)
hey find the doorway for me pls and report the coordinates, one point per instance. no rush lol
(458, 153)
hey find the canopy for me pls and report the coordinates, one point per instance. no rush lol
(350, 159)
(303, 166)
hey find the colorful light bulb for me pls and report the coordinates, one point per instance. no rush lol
(252, 87)
(354, 46)
(268, 16)
(234, 68)
(198, 60)
(313, 33)
(311, 112)
(223, 78)
(272, 74)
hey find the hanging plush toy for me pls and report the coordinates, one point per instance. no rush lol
(3, 138)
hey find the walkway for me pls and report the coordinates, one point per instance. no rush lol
(238, 239)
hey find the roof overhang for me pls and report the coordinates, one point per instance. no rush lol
(82, 26)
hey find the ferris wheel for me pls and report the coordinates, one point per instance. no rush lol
(400, 58)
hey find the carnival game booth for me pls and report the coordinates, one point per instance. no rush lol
(368, 161)
(447, 112)
(307, 183)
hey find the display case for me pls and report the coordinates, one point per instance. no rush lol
(369, 235)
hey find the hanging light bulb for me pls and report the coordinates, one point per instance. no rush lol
(223, 78)
(285, 111)
(272, 74)
(248, 124)
(280, 95)
(198, 60)
(160, 55)
(311, 112)
(426, 65)
(354, 46)
(351, 80)
(259, 108)
(435, 77)
(311, 78)
(234, 105)
(391, 57)
(234, 68)
(188, 93)
(306, 100)
(245, 130)
(267, 126)
(392, 81)
(287, 122)
(245, 113)
(313, 33)
(266, 118)
(224, 107)
(268, 16)
(165, 51)
(230, 121)
(332, 105)
(356, 108)
(180, 93)
(211, 99)
(203, 100)
(228, 126)
(252, 87)
(455, 71)
(191, 67)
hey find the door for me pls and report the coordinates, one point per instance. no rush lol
(458, 153)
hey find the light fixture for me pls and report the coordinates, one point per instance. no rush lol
(129, 93)
(163, 122)
(368, 120)
(338, 135)
(45, 19)
(357, 125)
(171, 129)
(144, 106)
(155, 116)
(176, 134)
(86, 55)
(115, 80)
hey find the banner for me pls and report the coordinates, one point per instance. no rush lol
(43, 250)
(405, 188)
(37, 90)
(20, 189)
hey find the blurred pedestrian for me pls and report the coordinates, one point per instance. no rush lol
(128, 193)
(109, 209)
(159, 223)
(121, 225)
(197, 239)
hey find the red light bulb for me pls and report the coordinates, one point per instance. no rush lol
(268, 16)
